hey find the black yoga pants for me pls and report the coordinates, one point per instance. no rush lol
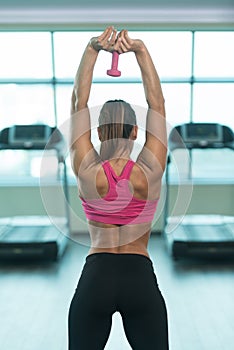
(124, 283)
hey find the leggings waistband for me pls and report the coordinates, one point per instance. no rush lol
(118, 256)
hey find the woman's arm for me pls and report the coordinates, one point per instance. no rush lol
(155, 127)
(83, 79)
(84, 75)
(80, 130)
(150, 78)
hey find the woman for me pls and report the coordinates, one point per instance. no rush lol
(119, 198)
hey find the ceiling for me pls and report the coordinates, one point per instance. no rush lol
(141, 12)
(107, 3)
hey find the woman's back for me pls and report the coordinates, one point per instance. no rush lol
(119, 198)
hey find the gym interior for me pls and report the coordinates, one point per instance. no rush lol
(43, 231)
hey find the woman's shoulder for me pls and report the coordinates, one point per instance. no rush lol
(146, 180)
(138, 177)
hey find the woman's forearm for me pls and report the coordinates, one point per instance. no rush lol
(151, 81)
(84, 75)
(83, 79)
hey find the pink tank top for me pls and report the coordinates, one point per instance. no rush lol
(119, 206)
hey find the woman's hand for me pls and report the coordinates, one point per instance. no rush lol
(106, 41)
(125, 44)
(110, 41)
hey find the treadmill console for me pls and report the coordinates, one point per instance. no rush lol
(202, 134)
(29, 135)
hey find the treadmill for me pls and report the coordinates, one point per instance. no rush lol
(198, 236)
(37, 237)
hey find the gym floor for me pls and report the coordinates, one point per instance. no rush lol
(34, 302)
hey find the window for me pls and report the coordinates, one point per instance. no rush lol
(212, 103)
(214, 55)
(171, 52)
(26, 104)
(25, 55)
(25, 166)
(37, 70)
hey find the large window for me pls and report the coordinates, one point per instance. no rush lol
(37, 71)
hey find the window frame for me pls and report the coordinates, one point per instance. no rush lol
(55, 82)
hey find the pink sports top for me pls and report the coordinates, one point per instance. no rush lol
(119, 206)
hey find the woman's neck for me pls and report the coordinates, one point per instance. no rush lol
(116, 149)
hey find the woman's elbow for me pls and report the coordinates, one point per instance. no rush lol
(74, 102)
(158, 105)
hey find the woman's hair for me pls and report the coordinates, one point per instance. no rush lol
(116, 120)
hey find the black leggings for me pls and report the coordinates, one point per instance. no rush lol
(118, 282)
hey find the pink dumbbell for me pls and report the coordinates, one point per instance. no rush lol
(114, 72)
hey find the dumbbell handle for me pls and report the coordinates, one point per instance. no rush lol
(114, 72)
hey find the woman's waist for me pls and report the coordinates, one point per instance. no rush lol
(119, 238)
(126, 250)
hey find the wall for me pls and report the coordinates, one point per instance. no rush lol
(206, 199)
(205, 14)
(150, 14)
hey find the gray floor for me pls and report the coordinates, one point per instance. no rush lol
(34, 301)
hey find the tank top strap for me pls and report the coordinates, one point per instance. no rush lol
(127, 170)
(111, 176)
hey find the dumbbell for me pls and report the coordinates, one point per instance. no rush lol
(114, 72)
